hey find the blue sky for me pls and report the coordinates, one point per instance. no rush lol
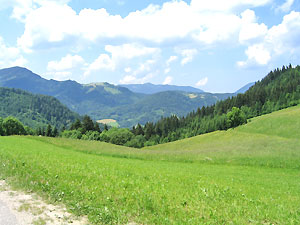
(215, 45)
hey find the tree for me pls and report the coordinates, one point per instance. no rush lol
(12, 126)
(87, 124)
(1, 127)
(49, 131)
(55, 132)
(235, 118)
(76, 125)
(97, 127)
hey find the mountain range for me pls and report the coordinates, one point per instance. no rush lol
(106, 101)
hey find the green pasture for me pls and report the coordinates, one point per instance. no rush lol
(246, 175)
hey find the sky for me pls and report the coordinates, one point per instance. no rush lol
(216, 45)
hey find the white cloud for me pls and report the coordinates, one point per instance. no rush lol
(129, 51)
(59, 75)
(66, 63)
(167, 70)
(286, 7)
(172, 58)
(187, 55)
(142, 74)
(202, 82)
(102, 62)
(131, 79)
(204, 22)
(279, 40)
(256, 54)
(120, 53)
(10, 56)
(127, 70)
(228, 5)
(251, 31)
(168, 80)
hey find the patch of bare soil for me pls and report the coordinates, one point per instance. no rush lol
(31, 209)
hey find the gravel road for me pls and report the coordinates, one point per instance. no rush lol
(6, 216)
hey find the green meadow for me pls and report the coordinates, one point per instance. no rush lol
(246, 175)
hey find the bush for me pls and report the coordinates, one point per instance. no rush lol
(12, 126)
(235, 118)
(74, 134)
(91, 136)
(136, 142)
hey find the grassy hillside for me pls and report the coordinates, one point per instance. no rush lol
(34, 110)
(249, 175)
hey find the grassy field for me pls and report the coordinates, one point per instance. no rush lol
(248, 175)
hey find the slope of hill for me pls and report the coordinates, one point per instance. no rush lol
(149, 88)
(270, 140)
(34, 110)
(247, 175)
(106, 101)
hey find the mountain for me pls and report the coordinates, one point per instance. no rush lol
(162, 104)
(107, 101)
(34, 110)
(245, 88)
(149, 88)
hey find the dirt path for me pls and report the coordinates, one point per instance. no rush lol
(19, 208)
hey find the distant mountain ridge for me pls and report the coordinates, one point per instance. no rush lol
(149, 88)
(242, 90)
(107, 101)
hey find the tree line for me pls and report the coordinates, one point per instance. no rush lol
(278, 90)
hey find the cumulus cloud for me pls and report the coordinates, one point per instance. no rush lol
(131, 79)
(10, 56)
(141, 75)
(102, 62)
(187, 55)
(204, 22)
(251, 31)
(117, 54)
(168, 80)
(172, 58)
(278, 40)
(202, 82)
(66, 63)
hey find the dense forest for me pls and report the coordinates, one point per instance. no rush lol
(34, 110)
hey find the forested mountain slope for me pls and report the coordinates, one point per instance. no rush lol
(34, 110)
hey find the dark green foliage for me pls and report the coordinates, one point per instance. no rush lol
(76, 125)
(87, 124)
(12, 126)
(117, 136)
(235, 118)
(1, 127)
(34, 110)
(49, 131)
